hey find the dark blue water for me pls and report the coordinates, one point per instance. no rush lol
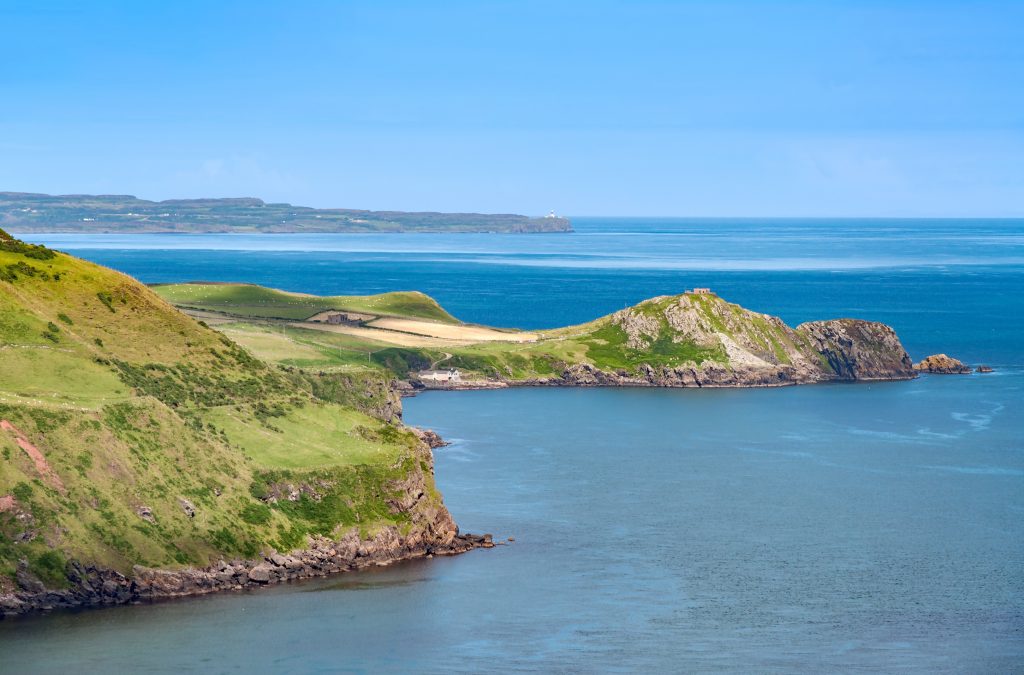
(875, 527)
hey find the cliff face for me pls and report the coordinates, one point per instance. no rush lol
(859, 350)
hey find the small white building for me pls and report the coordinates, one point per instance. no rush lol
(449, 375)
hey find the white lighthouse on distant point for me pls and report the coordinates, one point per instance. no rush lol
(551, 214)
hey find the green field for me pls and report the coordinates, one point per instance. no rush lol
(257, 301)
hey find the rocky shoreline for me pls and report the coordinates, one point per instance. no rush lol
(847, 350)
(712, 377)
(431, 531)
(837, 350)
(92, 586)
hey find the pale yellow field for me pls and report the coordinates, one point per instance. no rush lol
(387, 336)
(449, 332)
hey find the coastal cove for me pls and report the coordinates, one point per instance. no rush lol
(313, 361)
(801, 549)
(836, 526)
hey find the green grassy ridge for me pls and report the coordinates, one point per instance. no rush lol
(246, 300)
(133, 404)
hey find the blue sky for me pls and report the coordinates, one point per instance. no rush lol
(589, 108)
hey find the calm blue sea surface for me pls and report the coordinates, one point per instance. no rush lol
(872, 527)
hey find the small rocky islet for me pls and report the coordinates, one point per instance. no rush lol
(941, 364)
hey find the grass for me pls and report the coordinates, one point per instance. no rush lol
(607, 349)
(57, 377)
(292, 346)
(314, 435)
(256, 301)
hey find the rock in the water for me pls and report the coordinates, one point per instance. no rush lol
(942, 364)
(984, 369)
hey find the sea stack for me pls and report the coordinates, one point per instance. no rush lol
(942, 364)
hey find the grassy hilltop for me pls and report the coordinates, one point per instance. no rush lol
(29, 212)
(132, 434)
(260, 302)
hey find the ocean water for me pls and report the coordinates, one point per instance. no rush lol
(868, 527)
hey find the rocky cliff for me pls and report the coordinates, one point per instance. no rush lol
(430, 531)
(858, 350)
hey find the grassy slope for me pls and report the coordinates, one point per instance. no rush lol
(134, 404)
(258, 301)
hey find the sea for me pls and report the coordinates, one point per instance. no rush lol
(875, 527)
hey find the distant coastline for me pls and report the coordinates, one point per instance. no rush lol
(23, 212)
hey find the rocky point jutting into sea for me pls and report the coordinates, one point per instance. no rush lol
(737, 348)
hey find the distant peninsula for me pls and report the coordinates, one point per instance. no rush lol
(24, 212)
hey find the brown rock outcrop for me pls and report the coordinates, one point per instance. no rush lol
(942, 364)
(859, 350)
